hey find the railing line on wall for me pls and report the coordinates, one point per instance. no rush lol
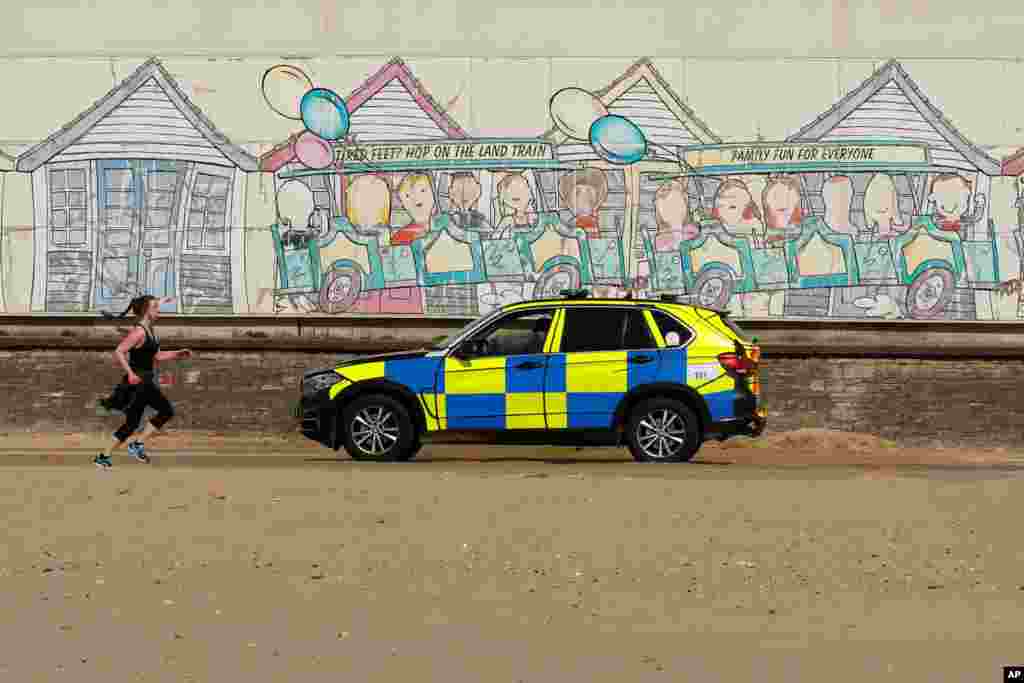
(945, 340)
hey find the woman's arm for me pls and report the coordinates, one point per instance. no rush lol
(130, 341)
(172, 355)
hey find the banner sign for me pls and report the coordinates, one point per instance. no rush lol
(461, 151)
(803, 156)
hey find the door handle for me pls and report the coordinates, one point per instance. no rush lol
(529, 365)
(640, 360)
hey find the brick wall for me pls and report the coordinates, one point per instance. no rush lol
(947, 402)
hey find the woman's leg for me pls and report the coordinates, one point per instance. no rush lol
(132, 418)
(164, 412)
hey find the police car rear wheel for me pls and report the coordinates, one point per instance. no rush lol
(663, 430)
(378, 428)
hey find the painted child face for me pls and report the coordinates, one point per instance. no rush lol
(464, 192)
(731, 204)
(951, 198)
(418, 201)
(782, 202)
(369, 200)
(515, 194)
(673, 207)
(586, 200)
(880, 201)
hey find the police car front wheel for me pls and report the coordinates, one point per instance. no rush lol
(378, 428)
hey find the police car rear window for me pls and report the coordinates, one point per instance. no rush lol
(667, 323)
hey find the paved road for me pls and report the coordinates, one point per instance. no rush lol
(292, 567)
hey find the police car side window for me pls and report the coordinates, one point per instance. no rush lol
(638, 334)
(593, 329)
(668, 325)
(516, 334)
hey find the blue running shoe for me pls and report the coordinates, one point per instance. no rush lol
(103, 462)
(137, 450)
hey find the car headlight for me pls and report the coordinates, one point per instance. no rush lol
(313, 384)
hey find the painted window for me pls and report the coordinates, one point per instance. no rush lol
(160, 187)
(68, 207)
(207, 218)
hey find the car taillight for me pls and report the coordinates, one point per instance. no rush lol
(737, 363)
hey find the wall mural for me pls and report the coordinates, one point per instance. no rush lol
(877, 208)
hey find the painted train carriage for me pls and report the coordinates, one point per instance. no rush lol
(820, 230)
(436, 227)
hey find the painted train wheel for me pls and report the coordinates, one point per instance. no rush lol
(555, 279)
(340, 289)
(714, 288)
(930, 293)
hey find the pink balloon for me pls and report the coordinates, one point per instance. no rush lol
(313, 151)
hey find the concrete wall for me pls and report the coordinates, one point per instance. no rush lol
(957, 386)
(922, 402)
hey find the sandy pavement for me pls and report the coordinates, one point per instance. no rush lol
(543, 566)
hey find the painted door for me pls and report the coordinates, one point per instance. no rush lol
(137, 223)
(204, 277)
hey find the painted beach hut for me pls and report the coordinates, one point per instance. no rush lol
(141, 193)
(889, 106)
(946, 205)
(392, 107)
(643, 96)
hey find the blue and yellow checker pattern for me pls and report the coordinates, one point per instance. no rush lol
(550, 390)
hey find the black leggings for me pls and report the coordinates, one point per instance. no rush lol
(146, 394)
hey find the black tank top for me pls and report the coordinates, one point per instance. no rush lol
(141, 358)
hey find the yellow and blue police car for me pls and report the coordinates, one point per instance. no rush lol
(658, 375)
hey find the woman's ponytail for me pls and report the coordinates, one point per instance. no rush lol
(136, 306)
(126, 311)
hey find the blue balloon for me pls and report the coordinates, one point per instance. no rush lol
(618, 140)
(324, 114)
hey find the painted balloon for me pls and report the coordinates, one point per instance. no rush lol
(313, 151)
(618, 140)
(575, 110)
(283, 87)
(324, 113)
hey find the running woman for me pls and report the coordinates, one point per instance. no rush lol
(138, 353)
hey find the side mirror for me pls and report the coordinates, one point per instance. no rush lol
(468, 349)
(463, 351)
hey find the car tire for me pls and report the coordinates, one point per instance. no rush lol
(655, 416)
(378, 428)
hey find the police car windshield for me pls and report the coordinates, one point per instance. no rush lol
(450, 339)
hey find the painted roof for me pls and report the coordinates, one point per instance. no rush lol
(149, 79)
(642, 95)
(1014, 164)
(889, 105)
(392, 104)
